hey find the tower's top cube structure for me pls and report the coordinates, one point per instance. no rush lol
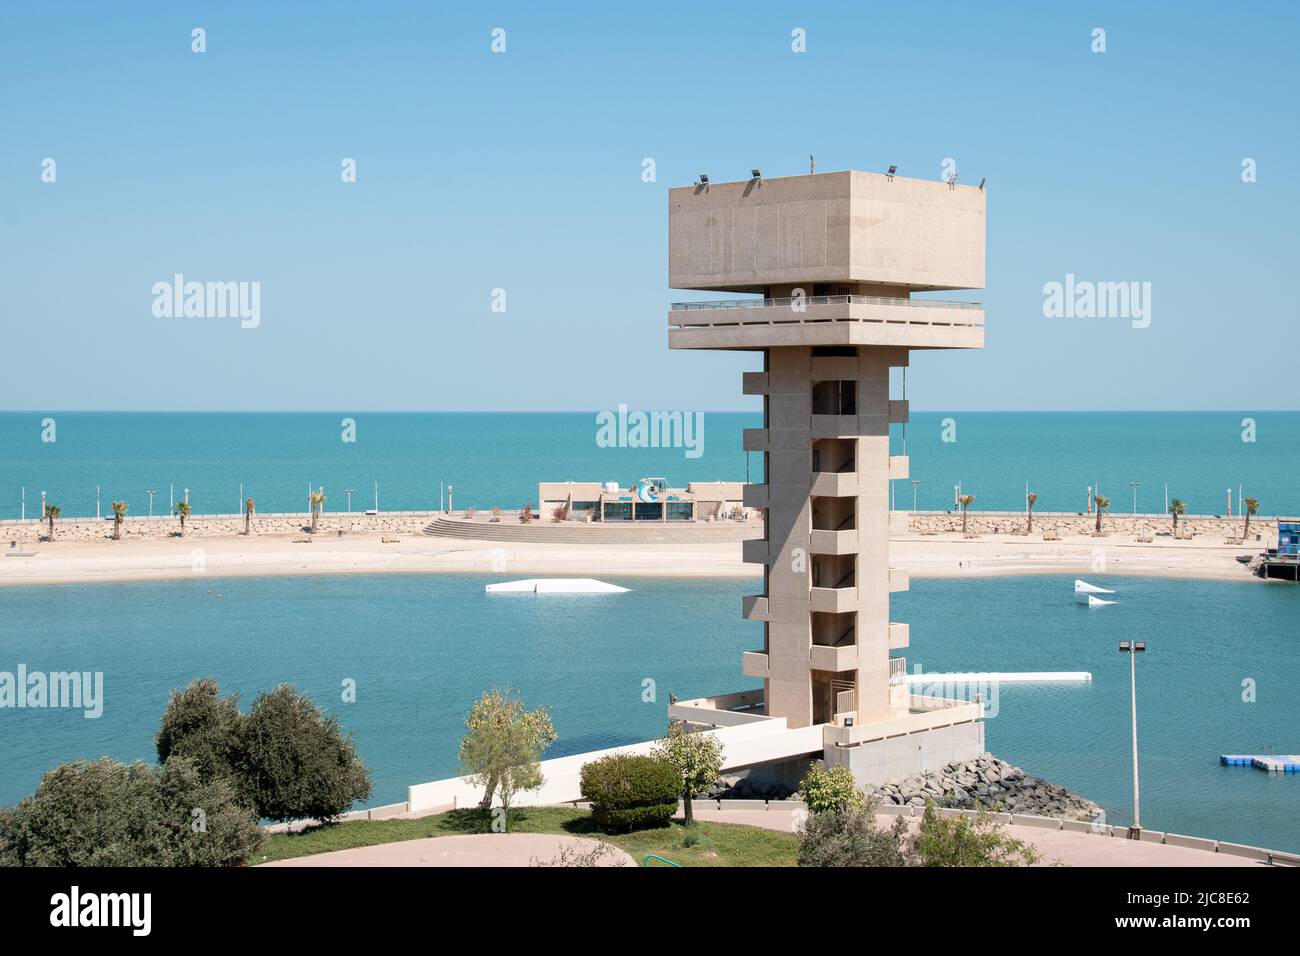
(831, 229)
(835, 258)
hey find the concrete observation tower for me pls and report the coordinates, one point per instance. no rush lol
(832, 263)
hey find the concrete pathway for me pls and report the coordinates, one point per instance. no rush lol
(1066, 846)
(479, 849)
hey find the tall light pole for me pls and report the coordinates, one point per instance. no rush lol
(151, 493)
(1133, 649)
(376, 497)
(98, 517)
(1229, 502)
(915, 482)
(450, 506)
(348, 492)
(1135, 485)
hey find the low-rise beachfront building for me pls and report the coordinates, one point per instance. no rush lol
(650, 499)
(832, 264)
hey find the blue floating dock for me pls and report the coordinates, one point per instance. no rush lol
(1276, 763)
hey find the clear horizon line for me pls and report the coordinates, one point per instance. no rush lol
(597, 411)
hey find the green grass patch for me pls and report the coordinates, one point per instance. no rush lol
(705, 844)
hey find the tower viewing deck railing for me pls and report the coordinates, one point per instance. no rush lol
(826, 320)
(823, 300)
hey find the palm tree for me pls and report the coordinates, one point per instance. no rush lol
(249, 507)
(1102, 503)
(966, 502)
(1252, 506)
(317, 499)
(183, 511)
(1030, 500)
(52, 512)
(119, 512)
(1176, 508)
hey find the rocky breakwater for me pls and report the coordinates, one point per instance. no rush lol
(992, 783)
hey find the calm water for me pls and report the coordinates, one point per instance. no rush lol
(421, 648)
(498, 458)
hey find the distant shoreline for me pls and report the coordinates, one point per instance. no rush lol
(938, 555)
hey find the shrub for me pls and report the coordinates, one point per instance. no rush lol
(105, 813)
(833, 789)
(958, 840)
(630, 792)
(850, 837)
(297, 762)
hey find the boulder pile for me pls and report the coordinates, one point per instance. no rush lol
(988, 782)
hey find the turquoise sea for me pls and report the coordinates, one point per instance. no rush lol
(422, 647)
(498, 458)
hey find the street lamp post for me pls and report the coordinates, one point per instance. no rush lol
(1133, 649)
(1135, 485)
(151, 493)
(915, 482)
(348, 492)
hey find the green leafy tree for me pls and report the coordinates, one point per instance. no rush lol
(1176, 508)
(296, 762)
(105, 813)
(250, 506)
(183, 512)
(833, 789)
(1252, 506)
(204, 727)
(1102, 503)
(966, 502)
(52, 512)
(119, 513)
(959, 840)
(503, 746)
(697, 759)
(1031, 499)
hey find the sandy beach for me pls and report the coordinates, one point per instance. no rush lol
(946, 555)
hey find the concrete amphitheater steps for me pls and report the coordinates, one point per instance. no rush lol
(541, 533)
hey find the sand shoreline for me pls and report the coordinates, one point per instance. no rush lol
(924, 556)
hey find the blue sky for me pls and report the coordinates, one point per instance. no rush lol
(522, 171)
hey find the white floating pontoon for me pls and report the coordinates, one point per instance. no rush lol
(1083, 587)
(555, 586)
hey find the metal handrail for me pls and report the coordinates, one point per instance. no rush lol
(823, 300)
(645, 860)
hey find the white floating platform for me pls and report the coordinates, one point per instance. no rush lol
(555, 586)
(1013, 677)
(1083, 587)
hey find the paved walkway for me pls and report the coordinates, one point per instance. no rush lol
(480, 849)
(1066, 846)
